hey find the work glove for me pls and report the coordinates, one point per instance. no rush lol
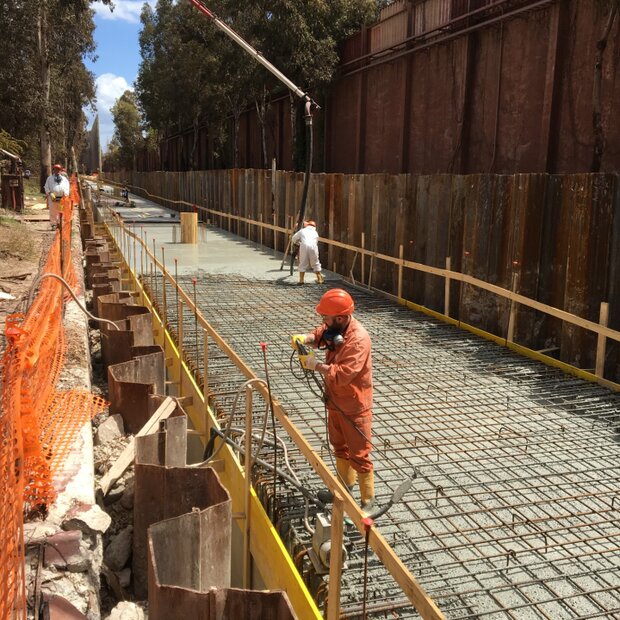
(309, 361)
(53, 196)
(297, 338)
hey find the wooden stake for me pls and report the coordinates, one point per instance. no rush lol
(335, 559)
(400, 271)
(513, 310)
(601, 342)
(446, 295)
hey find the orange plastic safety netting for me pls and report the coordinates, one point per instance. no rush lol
(38, 423)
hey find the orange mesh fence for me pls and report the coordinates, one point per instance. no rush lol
(38, 423)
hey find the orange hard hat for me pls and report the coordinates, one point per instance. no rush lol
(56, 167)
(335, 302)
(310, 223)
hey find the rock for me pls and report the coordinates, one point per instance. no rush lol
(111, 429)
(116, 493)
(126, 611)
(124, 577)
(88, 519)
(117, 553)
(127, 499)
(66, 551)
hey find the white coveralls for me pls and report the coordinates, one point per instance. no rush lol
(308, 239)
(58, 185)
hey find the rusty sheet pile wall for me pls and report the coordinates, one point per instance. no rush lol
(555, 237)
(38, 421)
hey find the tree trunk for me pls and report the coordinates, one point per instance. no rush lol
(236, 116)
(44, 68)
(597, 114)
(293, 109)
(196, 134)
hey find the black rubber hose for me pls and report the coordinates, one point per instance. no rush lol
(304, 195)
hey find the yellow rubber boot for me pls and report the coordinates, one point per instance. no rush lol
(346, 472)
(301, 277)
(319, 277)
(367, 491)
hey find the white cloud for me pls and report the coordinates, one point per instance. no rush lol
(125, 10)
(109, 88)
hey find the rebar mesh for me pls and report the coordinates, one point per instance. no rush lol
(514, 509)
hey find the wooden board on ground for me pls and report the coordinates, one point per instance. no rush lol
(165, 410)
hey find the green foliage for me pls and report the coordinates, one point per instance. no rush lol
(127, 133)
(192, 74)
(10, 144)
(43, 81)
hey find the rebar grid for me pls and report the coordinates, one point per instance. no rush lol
(514, 510)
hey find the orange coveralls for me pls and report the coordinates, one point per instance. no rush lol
(348, 386)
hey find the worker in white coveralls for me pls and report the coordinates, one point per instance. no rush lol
(56, 187)
(308, 240)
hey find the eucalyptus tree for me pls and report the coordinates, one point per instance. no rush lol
(63, 35)
(127, 130)
(191, 74)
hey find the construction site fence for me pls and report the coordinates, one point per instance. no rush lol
(38, 422)
(143, 264)
(531, 258)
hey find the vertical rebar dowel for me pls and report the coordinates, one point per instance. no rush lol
(163, 288)
(154, 268)
(602, 341)
(180, 343)
(335, 559)
(195, 321)
(176, 286)
(446, 295)
(142, 254)
(205, 377)
(247, 488)
(135, 259)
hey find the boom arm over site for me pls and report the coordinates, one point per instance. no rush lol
(309, 102)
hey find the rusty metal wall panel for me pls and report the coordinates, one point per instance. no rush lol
(384, 118)
(434, 138)
(343, 129)
(585, 24)
(166, 492)
(392, 29)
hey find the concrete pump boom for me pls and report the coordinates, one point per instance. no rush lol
(309, 104)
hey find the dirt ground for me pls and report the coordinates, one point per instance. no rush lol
(24, 241)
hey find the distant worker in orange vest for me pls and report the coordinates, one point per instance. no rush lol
(56, 187)
(308, 240)
(348, 388)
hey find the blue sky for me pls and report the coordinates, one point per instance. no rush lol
(118, 52)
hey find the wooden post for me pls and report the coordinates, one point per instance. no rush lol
(335, 559)
(401, 254)
(260, 219)
(247, 558)
(363, 258)
(602, 341)
(189, 227)
(446, 295)
(275, 236)
(180, 344)
(513, 310)
(372, 264)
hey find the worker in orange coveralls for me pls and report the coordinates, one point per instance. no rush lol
(348, 388)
